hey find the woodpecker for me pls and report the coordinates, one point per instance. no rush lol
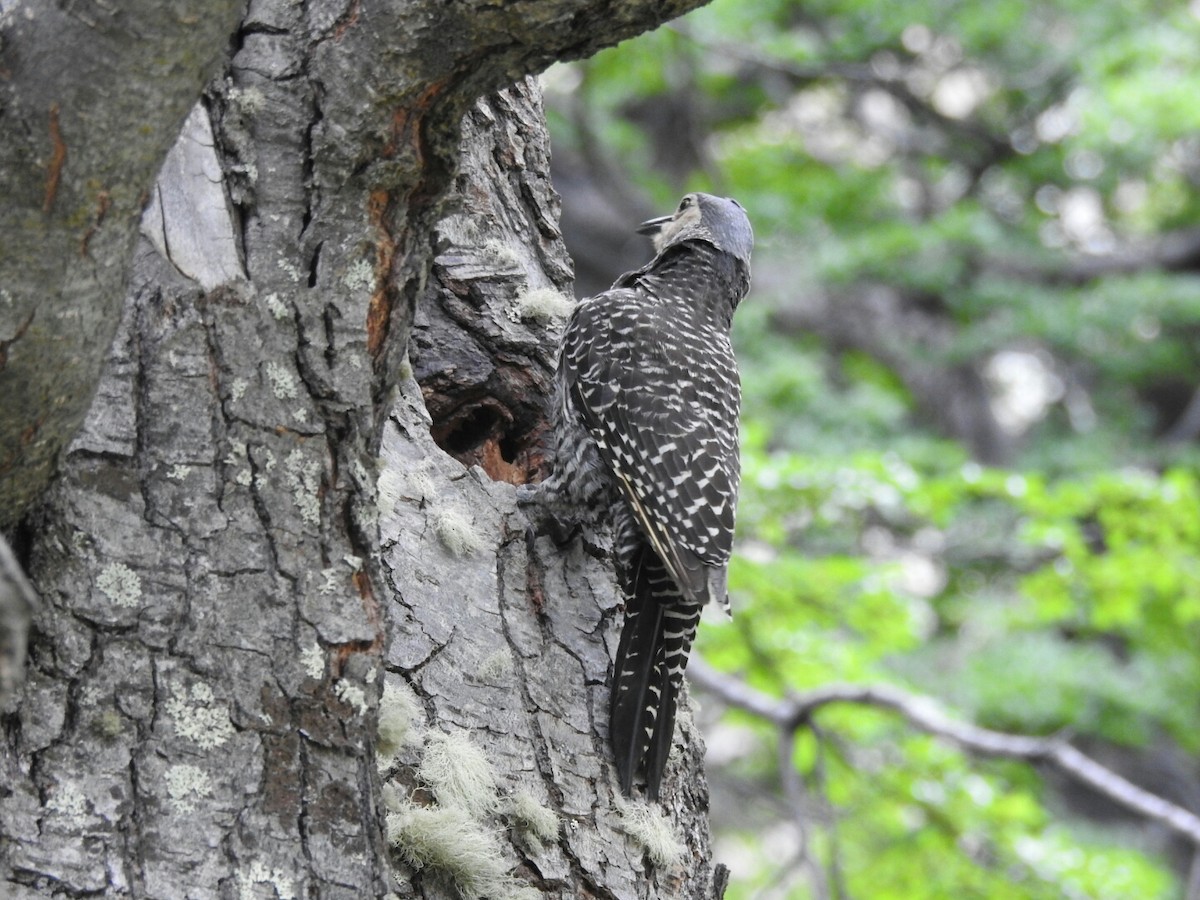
(645, 419)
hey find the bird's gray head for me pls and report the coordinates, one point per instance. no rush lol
(702, 217)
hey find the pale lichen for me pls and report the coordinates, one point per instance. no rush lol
(450, 840)
(394, 485)
(389, 490)
(108, 724)
(283, 382)
(500, 255)
(68, 801)
(401, 722)
(360, 276)
(291, 271)
(496, 666)
(312, 659)
(352, 695)
(276, 306)
(650, 829)
(456, 530)
(185, 785)
(393, 800)
(258, 872)
(459, 773)
(420, 483)
(332, 580)
(450, 844)
(237, 453)
(303, 478)
(248, 101)
(120, 584)
(198, 717)
(539, 821)
(541, 305)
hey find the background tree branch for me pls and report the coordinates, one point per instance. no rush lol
(795, 712)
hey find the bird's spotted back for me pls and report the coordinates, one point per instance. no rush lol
(664, 421)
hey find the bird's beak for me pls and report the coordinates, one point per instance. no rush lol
(654, 226)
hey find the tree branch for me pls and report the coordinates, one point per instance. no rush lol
(60, 160)
(1187, 426)
(793, 713)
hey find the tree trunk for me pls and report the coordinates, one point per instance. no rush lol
(91, 97)
(287, 645)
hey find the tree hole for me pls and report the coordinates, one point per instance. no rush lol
(486, 433)
(467, 429)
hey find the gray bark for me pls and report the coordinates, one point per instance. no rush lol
(91, 97)
(255, 550)
(17, 603)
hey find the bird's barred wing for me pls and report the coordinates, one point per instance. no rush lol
(660, 398)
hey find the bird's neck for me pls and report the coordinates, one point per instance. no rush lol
(698, 279)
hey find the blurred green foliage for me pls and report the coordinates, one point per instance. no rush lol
(1020, 178)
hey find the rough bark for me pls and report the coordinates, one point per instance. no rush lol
(17, 603)
(520, 644)
(218, 625)
(91, 97)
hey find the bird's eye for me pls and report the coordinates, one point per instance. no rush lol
(685, 203)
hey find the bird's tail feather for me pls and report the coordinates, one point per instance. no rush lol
(652, 654)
